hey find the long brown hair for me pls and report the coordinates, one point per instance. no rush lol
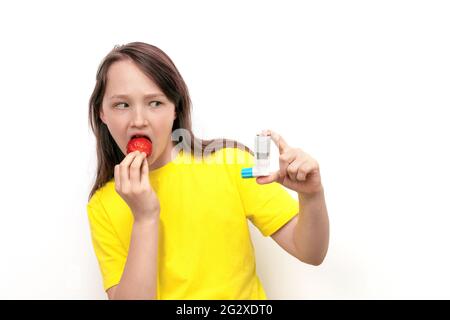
(160, 68)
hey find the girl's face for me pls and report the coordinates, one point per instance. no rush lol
(133, 104)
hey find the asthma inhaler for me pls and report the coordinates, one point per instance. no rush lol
(262, 159)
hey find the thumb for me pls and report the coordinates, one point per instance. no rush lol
(273, 177)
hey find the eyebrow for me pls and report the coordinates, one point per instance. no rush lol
(150, 95)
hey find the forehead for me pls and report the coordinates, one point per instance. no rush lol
(124, 76)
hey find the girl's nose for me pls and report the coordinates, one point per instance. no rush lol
(139, 117)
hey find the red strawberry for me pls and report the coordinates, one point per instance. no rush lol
(140, 144)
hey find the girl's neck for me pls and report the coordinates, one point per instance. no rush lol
(164, 158)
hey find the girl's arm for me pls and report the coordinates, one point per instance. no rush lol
(306, 236)
(139, 276)
(311, 233)
(138, 280)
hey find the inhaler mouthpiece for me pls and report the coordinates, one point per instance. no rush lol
(262, 159)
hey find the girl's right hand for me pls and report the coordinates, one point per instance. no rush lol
(133, 185)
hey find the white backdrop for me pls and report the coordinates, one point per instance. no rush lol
(362, 86)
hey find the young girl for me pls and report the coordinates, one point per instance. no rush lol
(173, 224)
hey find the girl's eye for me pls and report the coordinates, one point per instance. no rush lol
(122, 105)
(155, 103)
(117, 105)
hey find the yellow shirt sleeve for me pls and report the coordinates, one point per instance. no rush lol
(110, 252)
(268, 206)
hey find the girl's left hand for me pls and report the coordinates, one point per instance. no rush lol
(298, 170)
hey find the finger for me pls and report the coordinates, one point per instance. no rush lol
(135, 169)
(117, 176)
(144, 176)
(279, 141)
(124, 170)
(305, 169)
(293, 169)
(301, 174)
(284, 161)
(273, 177)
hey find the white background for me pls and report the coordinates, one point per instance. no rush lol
(362, 86)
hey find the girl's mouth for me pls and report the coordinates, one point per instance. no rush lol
(140, 136)
(140, 143)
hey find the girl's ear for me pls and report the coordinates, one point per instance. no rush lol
(174, 115)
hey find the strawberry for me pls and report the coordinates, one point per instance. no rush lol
(140, 144)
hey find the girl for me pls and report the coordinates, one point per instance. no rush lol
(173, 224)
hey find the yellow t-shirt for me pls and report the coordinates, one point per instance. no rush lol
(204, 249)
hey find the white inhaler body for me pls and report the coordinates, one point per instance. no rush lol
(262, 159)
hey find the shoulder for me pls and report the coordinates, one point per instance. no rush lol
(101, 196)
(225, 164)
(229, 156)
